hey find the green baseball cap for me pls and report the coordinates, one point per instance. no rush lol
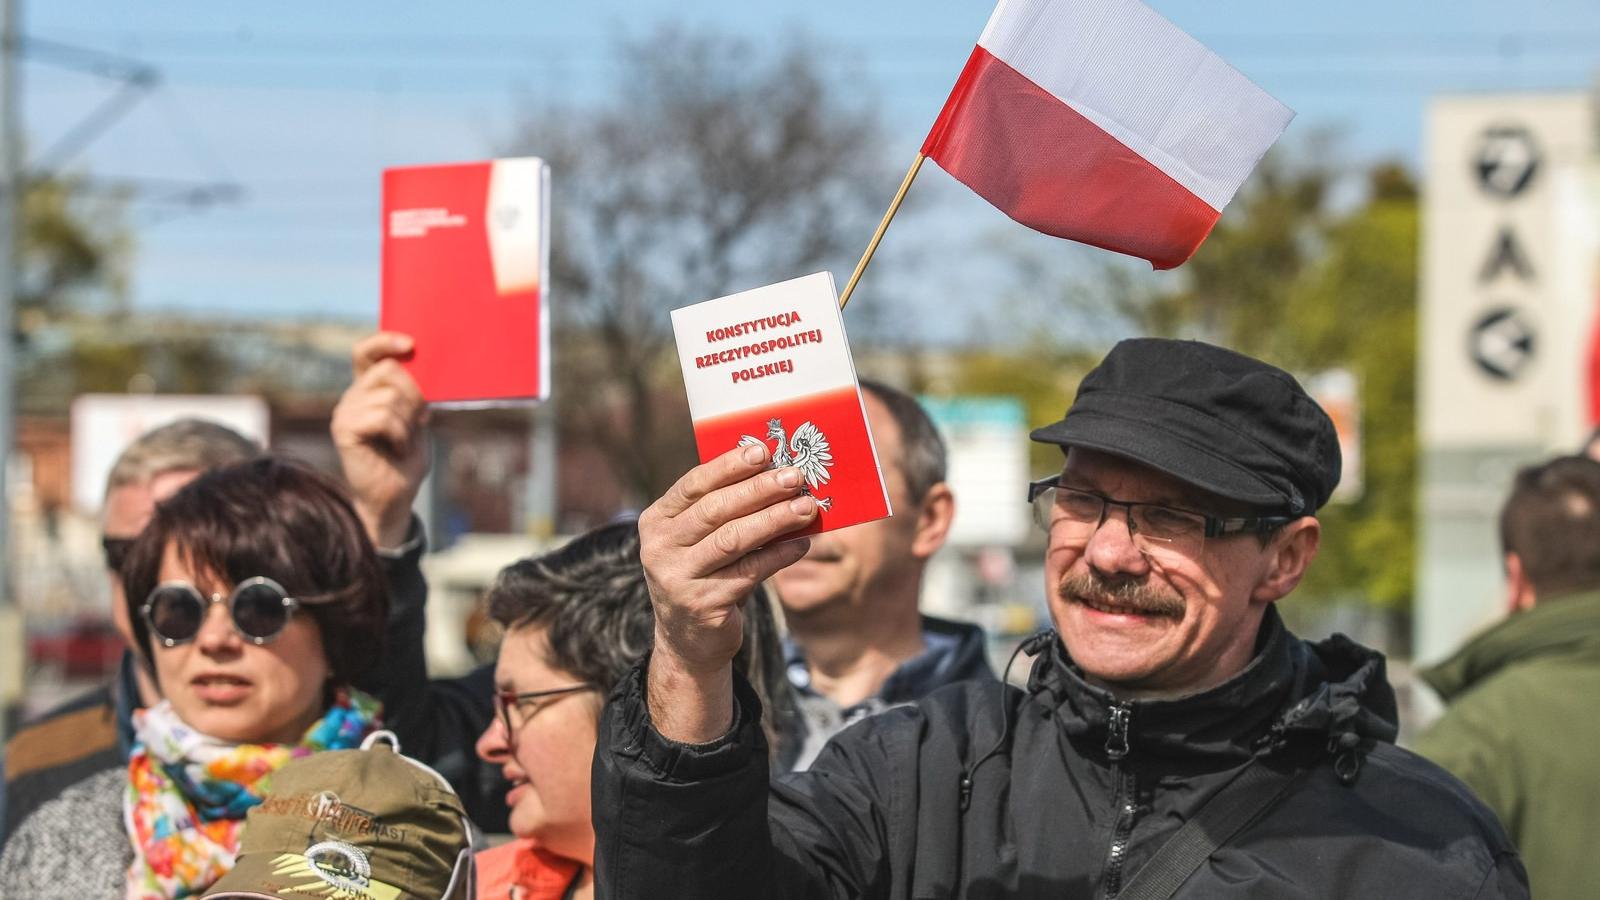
(366, 824)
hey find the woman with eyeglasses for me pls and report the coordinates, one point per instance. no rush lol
(255, 597)
(575, 621)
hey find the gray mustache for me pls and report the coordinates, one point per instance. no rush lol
(1128, 595)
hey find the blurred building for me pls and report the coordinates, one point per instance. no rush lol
(1509, 293)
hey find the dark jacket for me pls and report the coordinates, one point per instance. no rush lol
(68, 744)
(953, 652)
(1070, 808)
(1521, 730)
(437, 722)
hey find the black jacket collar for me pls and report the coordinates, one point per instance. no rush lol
(1291, 691)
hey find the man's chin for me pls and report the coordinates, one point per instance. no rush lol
(1109, 646)
(807, 585)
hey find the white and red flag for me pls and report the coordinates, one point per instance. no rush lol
(1101, 122)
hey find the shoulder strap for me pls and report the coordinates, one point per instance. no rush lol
(1240, 800)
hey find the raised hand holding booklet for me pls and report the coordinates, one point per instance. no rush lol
(466, 254)
(772, 366)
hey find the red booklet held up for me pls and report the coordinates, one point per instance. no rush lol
(772, 366)
(466, 254)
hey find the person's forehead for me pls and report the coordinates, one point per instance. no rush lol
(165, 484)
(128, 507)
(1126, 479)
(523, 660)
(886, 436)
(176, 565)
(887, 441)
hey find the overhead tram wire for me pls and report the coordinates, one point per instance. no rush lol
(137, 80)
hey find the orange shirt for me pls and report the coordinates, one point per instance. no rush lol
(521, 871)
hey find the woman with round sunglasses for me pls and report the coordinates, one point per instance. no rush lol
(576, 620)
(255, 597)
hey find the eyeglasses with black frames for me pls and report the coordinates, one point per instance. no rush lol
(1071, 516)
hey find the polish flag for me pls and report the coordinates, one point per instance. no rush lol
(1101, 122)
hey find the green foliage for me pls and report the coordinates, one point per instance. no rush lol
(1356, 308)
(1236, 285)
(74, 247)
(74, 244)
(1286, 279)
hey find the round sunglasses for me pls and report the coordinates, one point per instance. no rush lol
(260, 609)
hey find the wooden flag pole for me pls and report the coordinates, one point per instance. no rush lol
(872, 247)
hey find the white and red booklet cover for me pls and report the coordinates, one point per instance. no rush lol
(772, 366)
(466, 253)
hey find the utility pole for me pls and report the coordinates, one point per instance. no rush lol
(540, 494)
(11, 187)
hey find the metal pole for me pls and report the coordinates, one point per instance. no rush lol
(542, 462)
(11, 643)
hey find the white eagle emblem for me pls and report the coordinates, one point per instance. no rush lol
(807, 451)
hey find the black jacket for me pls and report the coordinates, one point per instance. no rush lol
(438, 721)
(1071, 807)
(67, 744)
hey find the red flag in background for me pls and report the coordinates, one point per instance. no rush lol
(1594, 374)
(1101, 122)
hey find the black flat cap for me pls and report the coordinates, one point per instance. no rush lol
(1216, 419)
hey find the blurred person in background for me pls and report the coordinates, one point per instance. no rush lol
(575, 621)
(95, 732)
(857, 644)
(255, 599)
(1523, 719)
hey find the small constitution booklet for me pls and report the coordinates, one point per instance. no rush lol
(466, 253)
(772, 366)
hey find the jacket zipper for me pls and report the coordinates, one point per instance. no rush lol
(1125, 799)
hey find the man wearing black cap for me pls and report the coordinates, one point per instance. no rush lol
(1174, 739)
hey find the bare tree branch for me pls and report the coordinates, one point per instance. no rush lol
(712, 168)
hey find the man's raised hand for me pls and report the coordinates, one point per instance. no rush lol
(706, 544)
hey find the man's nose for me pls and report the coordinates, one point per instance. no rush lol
(1112, 548)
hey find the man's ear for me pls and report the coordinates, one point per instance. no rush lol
(1520, 595)
(934, 515)
(1290, 553)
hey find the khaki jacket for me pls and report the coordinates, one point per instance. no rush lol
(1521, 730)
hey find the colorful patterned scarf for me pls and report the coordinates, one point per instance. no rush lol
(188, 793)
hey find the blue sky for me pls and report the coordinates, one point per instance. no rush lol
(304, 104)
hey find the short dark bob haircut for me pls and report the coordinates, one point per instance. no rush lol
(278, 518)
